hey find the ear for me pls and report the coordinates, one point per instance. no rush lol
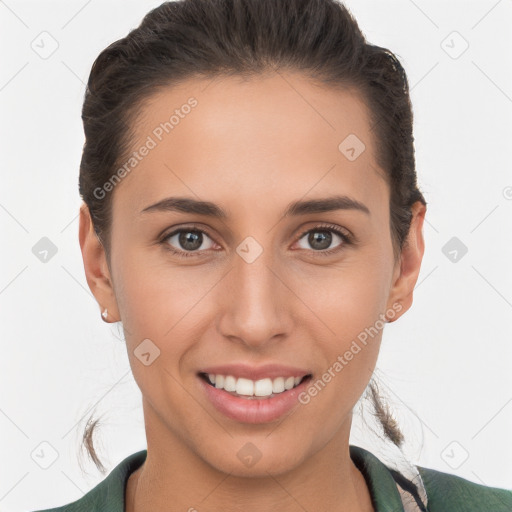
(95, 265)
(408, 267)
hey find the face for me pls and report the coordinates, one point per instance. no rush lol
(247, 279)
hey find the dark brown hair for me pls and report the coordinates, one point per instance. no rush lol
(207, 38)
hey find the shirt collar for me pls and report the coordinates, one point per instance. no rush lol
(381, 484)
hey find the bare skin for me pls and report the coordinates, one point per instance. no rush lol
(252, 147)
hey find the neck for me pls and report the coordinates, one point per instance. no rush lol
(328, 480)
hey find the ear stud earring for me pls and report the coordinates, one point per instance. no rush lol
(104, 314)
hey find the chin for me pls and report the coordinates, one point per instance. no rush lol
(253, 458)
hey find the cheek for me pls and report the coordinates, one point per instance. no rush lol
(351, 308)
(157, 308)
(350, 298)
(166, 305)
(351, 305)
(153, 295)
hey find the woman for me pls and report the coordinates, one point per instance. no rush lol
(251, 215)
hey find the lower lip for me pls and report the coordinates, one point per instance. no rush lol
(258, 410)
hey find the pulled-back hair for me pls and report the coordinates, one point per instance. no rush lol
(185, 39)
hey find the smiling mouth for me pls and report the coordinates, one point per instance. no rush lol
(246, 388)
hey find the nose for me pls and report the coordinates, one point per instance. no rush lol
(255, 303)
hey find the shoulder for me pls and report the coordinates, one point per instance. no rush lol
(400, 485)
(108, 494)
(450, 492)
(95, 500)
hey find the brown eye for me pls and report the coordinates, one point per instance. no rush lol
(321, 238)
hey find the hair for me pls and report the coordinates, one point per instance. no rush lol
(188, 39)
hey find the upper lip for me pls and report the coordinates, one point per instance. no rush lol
(246, 371)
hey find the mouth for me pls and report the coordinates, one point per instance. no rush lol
(254, 401)
(248, 389)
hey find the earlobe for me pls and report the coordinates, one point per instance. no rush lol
(409, 263)
(95, 265)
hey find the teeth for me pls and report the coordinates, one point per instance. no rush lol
(247, 387)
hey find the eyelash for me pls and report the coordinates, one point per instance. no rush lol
(345, 237)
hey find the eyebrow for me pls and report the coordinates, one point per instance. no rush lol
(296, 208)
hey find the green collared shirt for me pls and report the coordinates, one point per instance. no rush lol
(445, 492)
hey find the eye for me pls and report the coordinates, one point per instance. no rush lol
(187, 241)
(321, 238)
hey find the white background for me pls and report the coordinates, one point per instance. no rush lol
(445, 365)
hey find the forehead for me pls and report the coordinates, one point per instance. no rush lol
(280, 136)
